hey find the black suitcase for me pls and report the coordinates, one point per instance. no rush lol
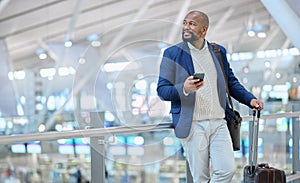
(260, 173)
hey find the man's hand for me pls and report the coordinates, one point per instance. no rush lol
(257, 104)
(190, 86)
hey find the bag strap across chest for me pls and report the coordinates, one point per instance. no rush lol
(218, 53)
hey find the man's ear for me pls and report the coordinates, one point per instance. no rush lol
(203, 31)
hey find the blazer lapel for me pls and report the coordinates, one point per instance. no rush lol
(188, 59)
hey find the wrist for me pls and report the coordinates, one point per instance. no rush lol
(185, 93)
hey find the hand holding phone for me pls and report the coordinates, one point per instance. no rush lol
(199, 76)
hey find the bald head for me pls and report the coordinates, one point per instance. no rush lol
(202, 16)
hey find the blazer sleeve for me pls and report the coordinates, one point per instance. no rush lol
(172, 75)
(166, 89)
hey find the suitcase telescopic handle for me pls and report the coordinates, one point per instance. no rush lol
(253, 153)
(256, 131)
(258, 112)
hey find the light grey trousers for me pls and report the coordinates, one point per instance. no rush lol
(210, 141)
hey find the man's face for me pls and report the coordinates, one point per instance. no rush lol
(192, 28)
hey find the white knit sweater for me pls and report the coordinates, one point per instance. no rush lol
(207, 105)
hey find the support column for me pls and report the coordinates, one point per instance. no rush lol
(8, 92)
(295, 137)
(97, 150)
(286, 18)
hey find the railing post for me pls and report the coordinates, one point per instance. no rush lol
(97, 150)
(295, 147)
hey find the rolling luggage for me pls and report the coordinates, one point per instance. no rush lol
(259, 173)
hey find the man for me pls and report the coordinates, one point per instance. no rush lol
(198, 108)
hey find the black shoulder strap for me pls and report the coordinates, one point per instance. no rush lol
(218, 53)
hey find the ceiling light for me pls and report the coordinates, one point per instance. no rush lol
(41, 53)
(267, 64)
(82, 60)
(47, 72)
(68, 43)
(294, 51)
(39, 106)
(43, 56)
(72, 70)
(63, 71)
(94, 40)
(295, 79)
(251, 33)
(96, 43)
(109, 86)
(259, 30)
(278, 75)
(19, 75)
(120, 66)
(261, 34)
(246, 69)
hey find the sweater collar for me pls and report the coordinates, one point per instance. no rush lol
(192, 47)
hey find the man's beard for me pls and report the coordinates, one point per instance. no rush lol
(190, 39)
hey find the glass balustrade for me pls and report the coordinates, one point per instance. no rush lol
(141, 154)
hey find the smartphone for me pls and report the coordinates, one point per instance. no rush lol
(199, 76)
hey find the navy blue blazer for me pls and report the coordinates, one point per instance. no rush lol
(175, 67)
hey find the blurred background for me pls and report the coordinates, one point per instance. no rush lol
(60, 60)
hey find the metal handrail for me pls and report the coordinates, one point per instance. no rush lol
(273, 116)
(98, 132)
(292, 177)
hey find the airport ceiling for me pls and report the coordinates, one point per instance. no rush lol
(29, 25)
